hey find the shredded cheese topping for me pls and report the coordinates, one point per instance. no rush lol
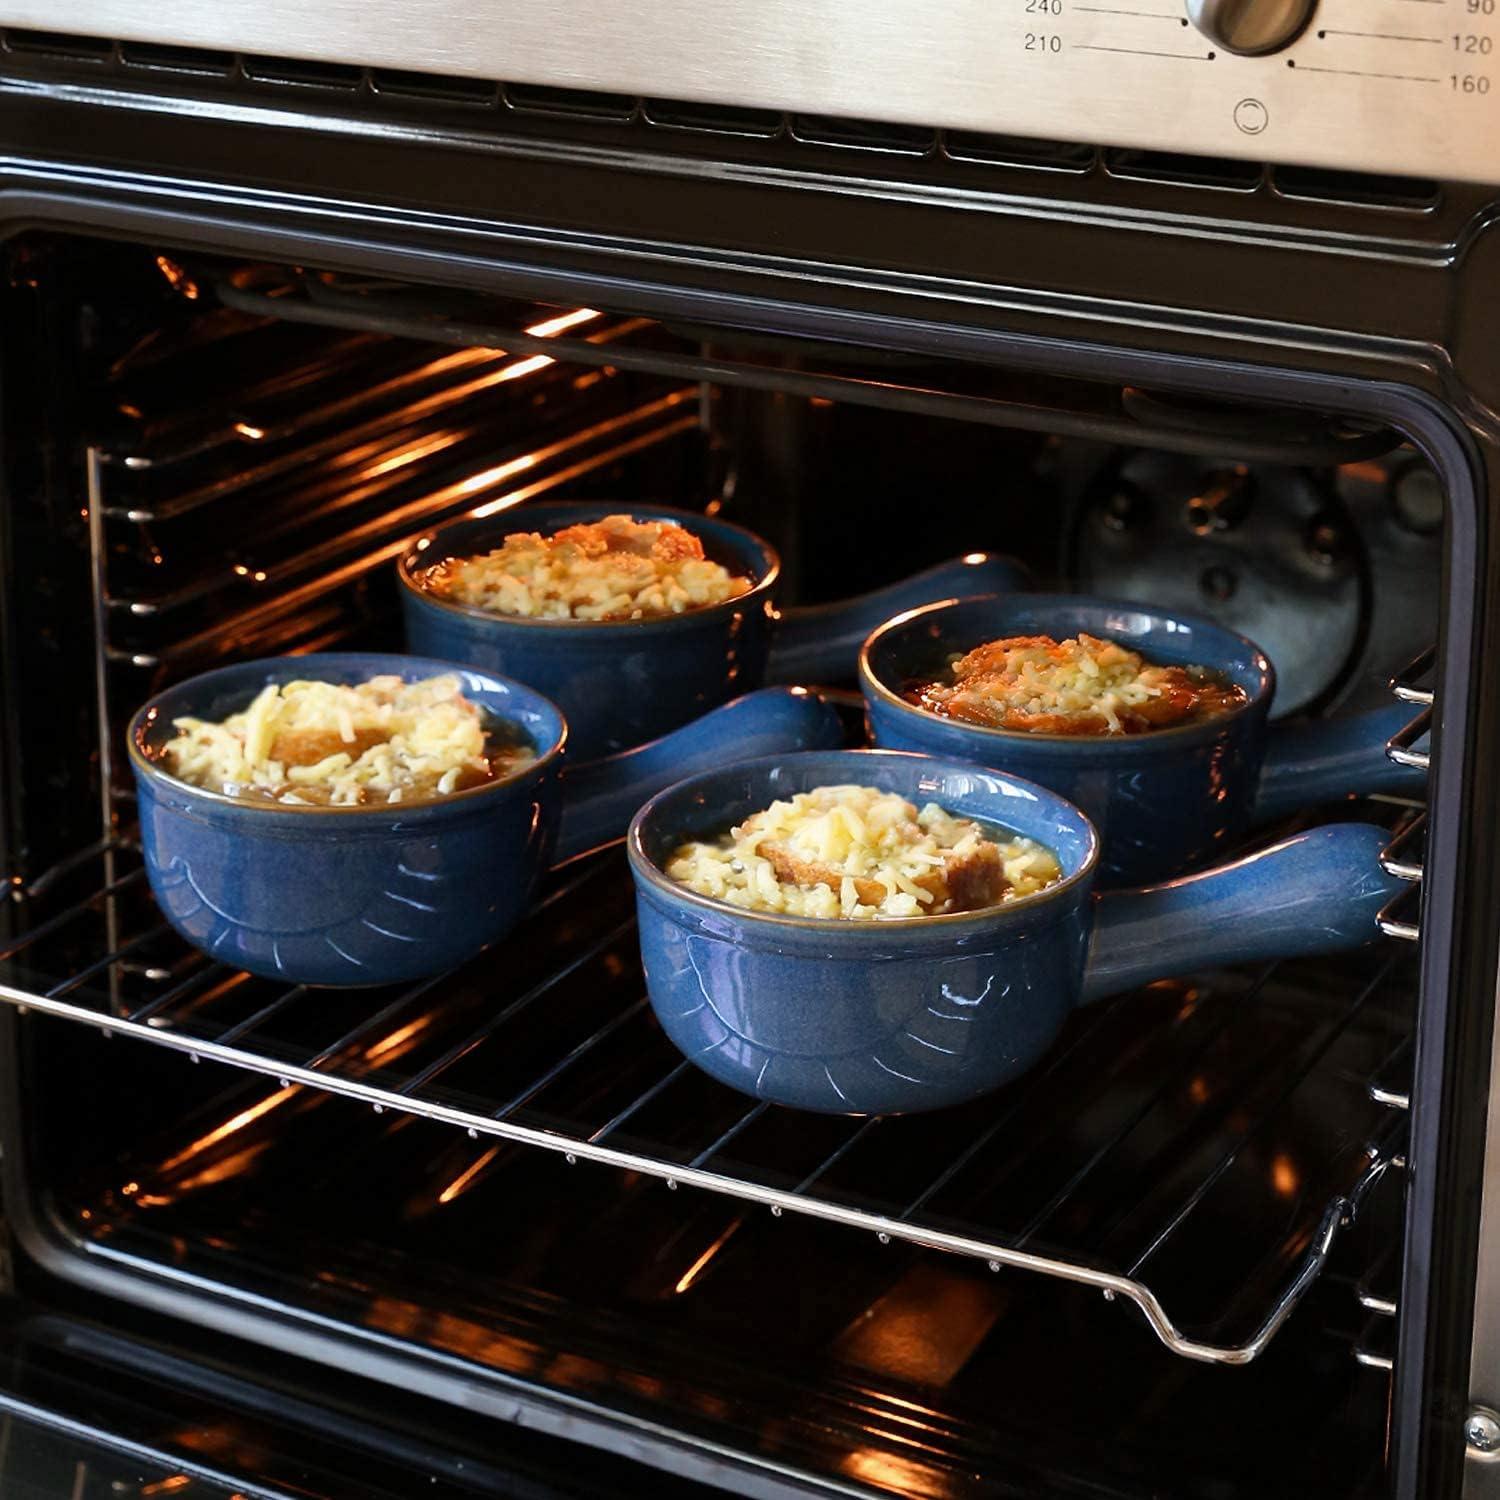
(1082, 685)
(613, 569)
(858, 853)
(335, 745)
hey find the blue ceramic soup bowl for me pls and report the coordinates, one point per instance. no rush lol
(1164, 801)
(621, 683)
(379, 895)
(883, 1017)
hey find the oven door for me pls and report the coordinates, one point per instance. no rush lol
(138, 1407)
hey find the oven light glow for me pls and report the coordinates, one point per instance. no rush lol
(890, 1471)
(177, 278)
(1285, 1177)
(409, 455)
(223, 1132)
(484, 480)
(234, 1165)
(700, 1265)
(396, 1042)
(249, 431)
(526, 367)
(468, 1175)
(551, 326)
(168, 1486)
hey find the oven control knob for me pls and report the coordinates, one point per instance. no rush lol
(1251, 27)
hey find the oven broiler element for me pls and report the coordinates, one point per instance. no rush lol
(820, 372)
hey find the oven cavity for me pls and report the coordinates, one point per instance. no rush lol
(1220, 1155)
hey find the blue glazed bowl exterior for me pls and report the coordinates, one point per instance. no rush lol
(1163, 802)
(356, 896)
(861, 1017)
(619, 684)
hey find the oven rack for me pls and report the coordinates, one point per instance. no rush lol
(400, 500)
(128, 976)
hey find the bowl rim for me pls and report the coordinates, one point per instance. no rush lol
(890, 929)
(144, 766)
(875, 686)
(761, 589)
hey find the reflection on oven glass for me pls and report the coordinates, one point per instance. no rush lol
(926, 1327)
(41, 1463)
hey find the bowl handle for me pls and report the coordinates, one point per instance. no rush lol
(600, 797)
(1319, 892)
(1330, 758)
(820, 642)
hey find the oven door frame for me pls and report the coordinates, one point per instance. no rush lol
(1017, 319)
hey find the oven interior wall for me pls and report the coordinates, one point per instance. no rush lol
(278, 468)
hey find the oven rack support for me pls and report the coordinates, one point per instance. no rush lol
(72, 999)
(1402, 857)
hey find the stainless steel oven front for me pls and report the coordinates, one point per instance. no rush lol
(1373, 85)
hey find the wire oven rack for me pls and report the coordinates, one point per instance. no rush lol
(1155, 1115)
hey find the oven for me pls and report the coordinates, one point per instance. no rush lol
(1193, 304)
